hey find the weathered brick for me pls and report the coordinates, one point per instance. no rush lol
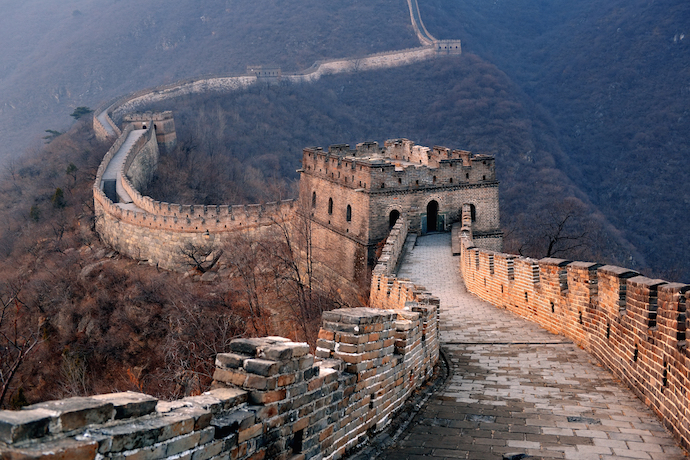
(73, 413)
(18, 426)
(64, 449)
(129, 404)
(267, 397)
(262, 367)
(230, 360)
(251, 432)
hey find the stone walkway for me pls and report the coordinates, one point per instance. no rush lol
(517, 389)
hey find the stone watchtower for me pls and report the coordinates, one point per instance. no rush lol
(355, 196)
(163, 123)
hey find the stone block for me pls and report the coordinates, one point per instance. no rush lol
(78, 412)
(311, 373)
(182, 443)
(63, 449)
(230, 397)
(267, 397)
(142, 432)
(230, 376)
(230, 360)
(247, 347)
(233, 422)
(306, 362)
(129, 404)
(262, 367)
(255, 347)
(323, 353)
(285, 380)
(202, 417)
(250, 432)
(284, 351)
(258, 382)
(16, 426)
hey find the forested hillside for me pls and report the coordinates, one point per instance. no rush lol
(612, 78)
(244, 147)
(606, 84)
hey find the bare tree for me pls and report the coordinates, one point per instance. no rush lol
(74, 374)
(294, 274)
(200, 256)
(17, 338)
(194, 339)
(248, 259)
(561, 229)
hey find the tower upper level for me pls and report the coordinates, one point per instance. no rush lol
(400, 164)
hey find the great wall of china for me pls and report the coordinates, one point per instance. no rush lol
(635, 326)
(272, 398)
(145, 229)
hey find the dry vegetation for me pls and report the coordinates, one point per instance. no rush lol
(76, 318)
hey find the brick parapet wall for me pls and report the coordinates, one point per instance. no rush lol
(226, 83)
(271, 399)
(634, 325)
(102, 132)
(389, 292)
(392, 248)
(110, 154)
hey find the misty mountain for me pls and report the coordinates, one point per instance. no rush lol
(613, 79)
(60, 55)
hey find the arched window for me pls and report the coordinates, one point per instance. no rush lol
(330, 206)
(313, 199)
(348, 213)
(473, 212)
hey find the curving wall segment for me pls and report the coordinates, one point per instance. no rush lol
(159, 232)
(634, 325)
(271, 397)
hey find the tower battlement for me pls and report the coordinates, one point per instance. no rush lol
(400, 164)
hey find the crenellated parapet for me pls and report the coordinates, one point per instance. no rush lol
(636, 326)
(272, 398)
(399, 166)
(387, 291)
(159, 232)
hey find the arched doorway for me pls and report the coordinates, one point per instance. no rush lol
(432, 216)
(393, 218)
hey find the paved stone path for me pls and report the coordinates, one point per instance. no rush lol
(114, 169)
(517, 389)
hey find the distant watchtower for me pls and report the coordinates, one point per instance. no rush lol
(355, 196)
(163, 123)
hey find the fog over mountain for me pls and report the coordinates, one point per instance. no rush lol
(614, 78)
(60, 55)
